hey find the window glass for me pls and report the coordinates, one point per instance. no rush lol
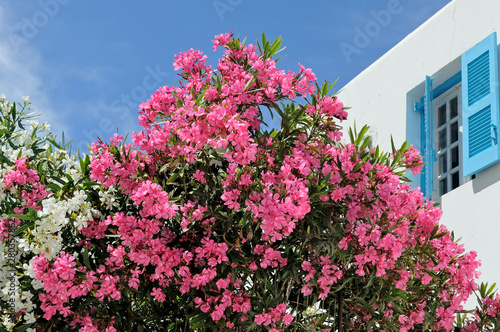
(454, 157)
(453, 108)
(455, 180)
(453, 132)
(442, 139)
(443, 163)
(441, 115)
(443, 186)
(447, 163)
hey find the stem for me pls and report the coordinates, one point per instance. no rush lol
(340, 312)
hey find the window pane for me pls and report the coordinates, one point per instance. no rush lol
(453, 108)
(443, 163)
(443, 186)
(454, 157)
(442, 138)
(441, 115)
(454, 132)
(455, 181)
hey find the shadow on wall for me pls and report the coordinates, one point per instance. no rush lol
(486, 178)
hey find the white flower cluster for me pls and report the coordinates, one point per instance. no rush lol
(57, 212)
(69, 163)
(5, 106)
(3, 195)
(108, 198)
(314, 310)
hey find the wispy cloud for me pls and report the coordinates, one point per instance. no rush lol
(20, 67)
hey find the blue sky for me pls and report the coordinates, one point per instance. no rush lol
(87, 65)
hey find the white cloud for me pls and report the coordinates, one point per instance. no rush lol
(20, 66)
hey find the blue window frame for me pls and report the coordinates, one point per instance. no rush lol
(479, 117)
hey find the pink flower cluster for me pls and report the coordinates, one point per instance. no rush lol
(329, 275)
(21, 174)
(269, 257)
(240, 203)
(32, 192)
(274, 317)
(231, 300)
(413, 160)
(59, 283)
(487, 316)
(35, 195)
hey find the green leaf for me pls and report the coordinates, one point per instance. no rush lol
(365, 143)
(22, 228)
(370, 281)
(70, 179)
(351, 135)
(344, 284)
(360, 135)
(5, 159)
(23, 328)
(22, 217)
(53, 187)
(91, 183)
(172, 178)
(249, 83)
(275, 47)
(86, 260)
(55, 143)
(491, 290)
(197, 320)
(397, 157)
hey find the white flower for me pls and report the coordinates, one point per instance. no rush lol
(45, 127)
(80, 222)
(108, 198)
(25, 245)
(314, 310)
(7, 323)
(30, 318)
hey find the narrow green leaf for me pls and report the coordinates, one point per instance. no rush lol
(22, 217)
(200, 318)
(22, 228)
(361, 134)
(23, 328)
(86, 260)
(5, 159)
(91, 183)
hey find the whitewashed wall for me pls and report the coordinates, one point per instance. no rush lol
(380, 97)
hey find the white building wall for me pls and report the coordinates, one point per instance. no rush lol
(381, 97)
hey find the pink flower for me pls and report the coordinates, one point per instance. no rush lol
(200, 176)
(287, 319)
(158, 294)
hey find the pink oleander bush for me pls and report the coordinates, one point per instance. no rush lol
(486, 316)
(211, 221)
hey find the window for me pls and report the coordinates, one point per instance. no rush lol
(459, 120)
(447, 138)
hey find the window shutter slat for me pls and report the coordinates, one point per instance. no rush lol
(480, 106)
(479, 82)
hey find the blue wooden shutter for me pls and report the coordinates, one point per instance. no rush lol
(480, 106)
(429, 144)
